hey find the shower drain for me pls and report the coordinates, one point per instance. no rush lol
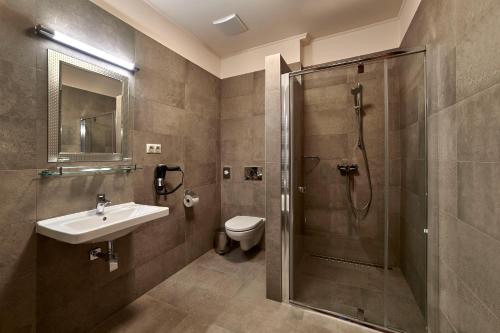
(348, 261)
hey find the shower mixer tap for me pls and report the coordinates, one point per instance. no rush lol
(347, 169)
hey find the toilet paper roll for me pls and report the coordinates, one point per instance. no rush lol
(190, 200)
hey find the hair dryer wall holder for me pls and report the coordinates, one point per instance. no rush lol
(161, 176)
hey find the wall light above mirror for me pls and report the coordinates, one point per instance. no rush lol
(87, 111)
(83, 47)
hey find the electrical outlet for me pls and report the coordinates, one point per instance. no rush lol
(153, 148)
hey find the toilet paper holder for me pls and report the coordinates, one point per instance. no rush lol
(190, 198)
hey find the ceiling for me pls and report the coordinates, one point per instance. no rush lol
(272, 20)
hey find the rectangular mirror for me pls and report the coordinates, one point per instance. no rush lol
(88, 111)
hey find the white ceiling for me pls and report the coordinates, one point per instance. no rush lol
(272, 20)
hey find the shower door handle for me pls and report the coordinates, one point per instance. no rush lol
(302, 189)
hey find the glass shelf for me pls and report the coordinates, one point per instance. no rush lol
(88, 170)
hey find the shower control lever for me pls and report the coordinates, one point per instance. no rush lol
(346, 169)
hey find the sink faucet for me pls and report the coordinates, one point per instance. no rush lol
(101, 202)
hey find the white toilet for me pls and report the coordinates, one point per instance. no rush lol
(247, 230)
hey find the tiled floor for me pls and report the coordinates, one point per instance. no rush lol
(358, 291)
(219, 294)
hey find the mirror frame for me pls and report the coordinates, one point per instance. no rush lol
(55, 59)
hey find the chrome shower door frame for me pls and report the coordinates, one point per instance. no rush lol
(286, 217)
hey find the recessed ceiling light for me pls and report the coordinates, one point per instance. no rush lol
(231, 25)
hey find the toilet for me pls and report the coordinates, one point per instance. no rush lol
(247, 230)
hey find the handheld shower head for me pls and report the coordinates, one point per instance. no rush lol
(356, 89)
(357, 92)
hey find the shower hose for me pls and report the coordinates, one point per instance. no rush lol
(360, 212)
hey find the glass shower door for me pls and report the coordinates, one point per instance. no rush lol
(346, 224)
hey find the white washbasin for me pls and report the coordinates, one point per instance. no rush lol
(88, 227)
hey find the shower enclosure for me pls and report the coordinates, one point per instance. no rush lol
(354, 191)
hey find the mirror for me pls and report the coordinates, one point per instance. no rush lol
(88, 110)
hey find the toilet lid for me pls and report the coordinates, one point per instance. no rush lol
(243, 223)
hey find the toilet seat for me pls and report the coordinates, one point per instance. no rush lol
(243, 223)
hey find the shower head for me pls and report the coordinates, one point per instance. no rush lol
(356, 89)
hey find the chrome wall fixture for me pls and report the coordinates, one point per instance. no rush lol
(85, 48)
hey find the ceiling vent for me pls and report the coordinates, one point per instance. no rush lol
(231, 25)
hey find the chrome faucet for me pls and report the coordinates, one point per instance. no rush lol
(101, 202)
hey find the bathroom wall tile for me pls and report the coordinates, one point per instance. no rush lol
(202, 92)
(157, 86)
(449, 240)
(204, 105)
(478, 121)
(478, 195)
(21, 153)
(336, 97)
(243, 151)
(275, 66)
(447, 134)
(57, 320)
(156, 57)
(237, 107)
(409, 105)
(198, 174)
(475, 246)
(240, 85)
(413, 175)
(198, 150)
(259, 92)
(202, 82)
(322, 172)
(236, 129)
(273, 231)
(17, 17)
(153, 272)
(62, 277)
(17, 304)
(199, 243)
(206, 214)
(327, 146)
(18, 244)
(442, 75)
(158, 118)
(325, 78)
(476, 46)
(109, 298)
(409, 141)
(18, 196)
(447, 184)
(328, 122)
(461, 307)
(19, 93)
(158, 237)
